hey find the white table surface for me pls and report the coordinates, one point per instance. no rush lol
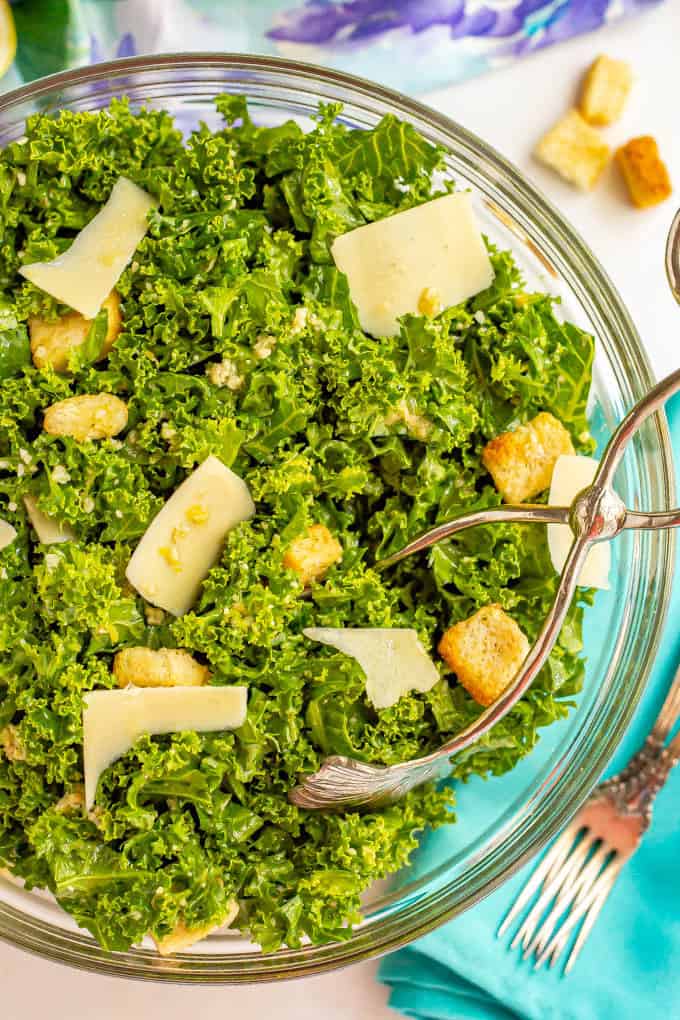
(510, 109)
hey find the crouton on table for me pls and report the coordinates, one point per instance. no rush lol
(313, 553)
(575, 150)
(52, 342)
(605, 90)
(521, 462)
(644, 172)
(165, 667)
(485, 652)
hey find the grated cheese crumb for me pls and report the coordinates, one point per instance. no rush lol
(197, 514)
(171, 557)
(429, 302)
(60, 475)
(299, 320)
(88, 504)
(225, 373)
(264, 345)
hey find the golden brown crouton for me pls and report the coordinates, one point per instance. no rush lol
(521, 462)
(644, 172)
(166, 667)
(183, 937)
(92, 416)
(52, 342)
(312, 554)
(605, 90)
(10, 743)
(485, 651)
(575, 150)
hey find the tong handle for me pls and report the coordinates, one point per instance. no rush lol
(635, 418)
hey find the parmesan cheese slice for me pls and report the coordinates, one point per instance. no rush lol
(570, 476)
(48, 530)
(114, 720)
(7, 534)
(185, 539)
(392, 658)
(421, 261)
(86, 273)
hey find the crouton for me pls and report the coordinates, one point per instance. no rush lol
(92, 416)
(521, 462)
(166, 667)
(644, 172)
(182, 937)
(485, 652)
(10, 743)
(575, 150)
(605, 90)
(313, 553)
(52, 342)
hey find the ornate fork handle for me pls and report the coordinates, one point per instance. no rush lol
(633, 790)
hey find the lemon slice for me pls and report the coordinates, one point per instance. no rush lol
(8, 37)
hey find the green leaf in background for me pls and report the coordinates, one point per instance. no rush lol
(50, 36)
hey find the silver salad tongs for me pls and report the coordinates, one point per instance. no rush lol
(597, 514)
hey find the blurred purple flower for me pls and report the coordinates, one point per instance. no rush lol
(355, 23)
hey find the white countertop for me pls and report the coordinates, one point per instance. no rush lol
(510, 109)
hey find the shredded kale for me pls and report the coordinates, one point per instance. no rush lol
(236, 271)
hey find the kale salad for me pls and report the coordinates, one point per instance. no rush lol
(232, 334)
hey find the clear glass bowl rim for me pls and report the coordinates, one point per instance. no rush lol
(536, 216)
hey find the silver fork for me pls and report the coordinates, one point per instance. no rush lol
(577, 874)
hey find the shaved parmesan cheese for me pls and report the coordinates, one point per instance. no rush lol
(185, 539)
(114, 720)
(392, 658)
(7, 534)
(48, 530)
(570, 476)
(420, 261)
(85, 274)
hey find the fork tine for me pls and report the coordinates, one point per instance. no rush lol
(561, 937)
(560, 876)
(593, 904)
(591, 916)
(570, 896)
(546, 865)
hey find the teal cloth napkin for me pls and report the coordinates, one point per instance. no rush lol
(630, 966)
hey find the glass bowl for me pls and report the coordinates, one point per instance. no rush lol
(507, 820)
